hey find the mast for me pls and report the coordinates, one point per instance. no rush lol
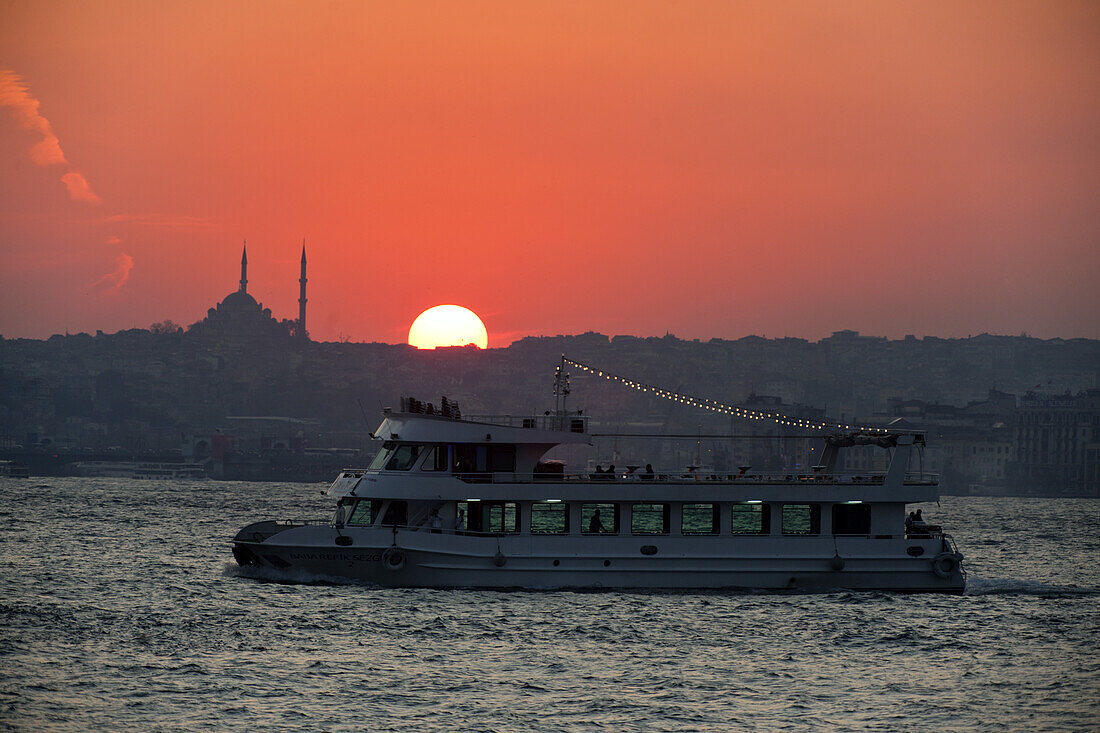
(561, 391)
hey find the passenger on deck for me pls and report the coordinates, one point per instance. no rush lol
(435, 522)
(460, 521)
(611, 472)
(598, 473)
(595, 526)
(909, 522)
(648, 473)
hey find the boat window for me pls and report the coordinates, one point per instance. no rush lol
(436, 459)
(404, 456)
(801, 519)
(851, 519)
(501, 517)
(471, 510)
(397, 513)
(471, 458)
(750, 518)
(382, 456)
(699, 519)
(549, 517)
(365, 512)
(504, 458)
(599, 518)
(649, 519)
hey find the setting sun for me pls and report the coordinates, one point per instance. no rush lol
(448, 325)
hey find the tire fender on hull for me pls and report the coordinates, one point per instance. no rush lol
(393, 558)
(945, 564)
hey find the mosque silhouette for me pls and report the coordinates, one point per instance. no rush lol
(240, 317)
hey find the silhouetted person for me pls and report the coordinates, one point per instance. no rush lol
(909, 522)
(595, 526)
(611, 472)
(598, 473)
(460, 521)
(648, 474)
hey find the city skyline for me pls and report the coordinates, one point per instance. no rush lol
(622, 168)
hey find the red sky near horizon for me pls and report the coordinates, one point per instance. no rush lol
(709, 169)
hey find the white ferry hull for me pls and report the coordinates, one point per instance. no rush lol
(442, 561)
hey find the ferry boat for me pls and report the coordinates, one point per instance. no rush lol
(14, 469)
(468, 502)
(140, 470)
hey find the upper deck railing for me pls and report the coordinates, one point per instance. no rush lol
(570, 422)
(663, 477)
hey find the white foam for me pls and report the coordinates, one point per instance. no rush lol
(1017, 586)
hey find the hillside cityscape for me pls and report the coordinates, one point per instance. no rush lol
(248, 397)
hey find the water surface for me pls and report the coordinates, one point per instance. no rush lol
(121, 609)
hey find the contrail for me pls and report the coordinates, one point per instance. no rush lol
(15, 95)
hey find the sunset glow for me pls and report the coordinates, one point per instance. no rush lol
(762, 168)
(448, 325)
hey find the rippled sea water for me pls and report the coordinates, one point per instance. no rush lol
(121, 609)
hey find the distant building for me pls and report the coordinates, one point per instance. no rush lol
(1058, 443)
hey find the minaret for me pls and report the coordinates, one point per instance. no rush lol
(244, 268)
(302, 297)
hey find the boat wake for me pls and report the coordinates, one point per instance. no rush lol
(288, 577)
(1018, 587)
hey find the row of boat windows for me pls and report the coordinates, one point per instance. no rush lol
(463, 458)
(551, 518)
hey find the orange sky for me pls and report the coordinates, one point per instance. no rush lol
(709, 169)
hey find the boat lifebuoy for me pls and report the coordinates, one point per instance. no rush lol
(945, 563)
(393, 558)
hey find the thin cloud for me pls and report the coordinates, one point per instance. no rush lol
(112, 282)
(79, 190)
(113, 239)
(15, 95)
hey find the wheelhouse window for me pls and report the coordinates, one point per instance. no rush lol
(501, 517)
(750, 518)
(403, 458)
(436, 459)
(397, 513)
(365, 512)
(851, 519)
(801, 519)
(700, 519)
(599, 518)
(649, 518)
(382, 456)
(549, 517)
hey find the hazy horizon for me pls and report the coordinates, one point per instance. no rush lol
(492, 345)
(711, 170)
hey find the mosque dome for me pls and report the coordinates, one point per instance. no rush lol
(239, 301)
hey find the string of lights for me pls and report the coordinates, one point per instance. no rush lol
(720, 407)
